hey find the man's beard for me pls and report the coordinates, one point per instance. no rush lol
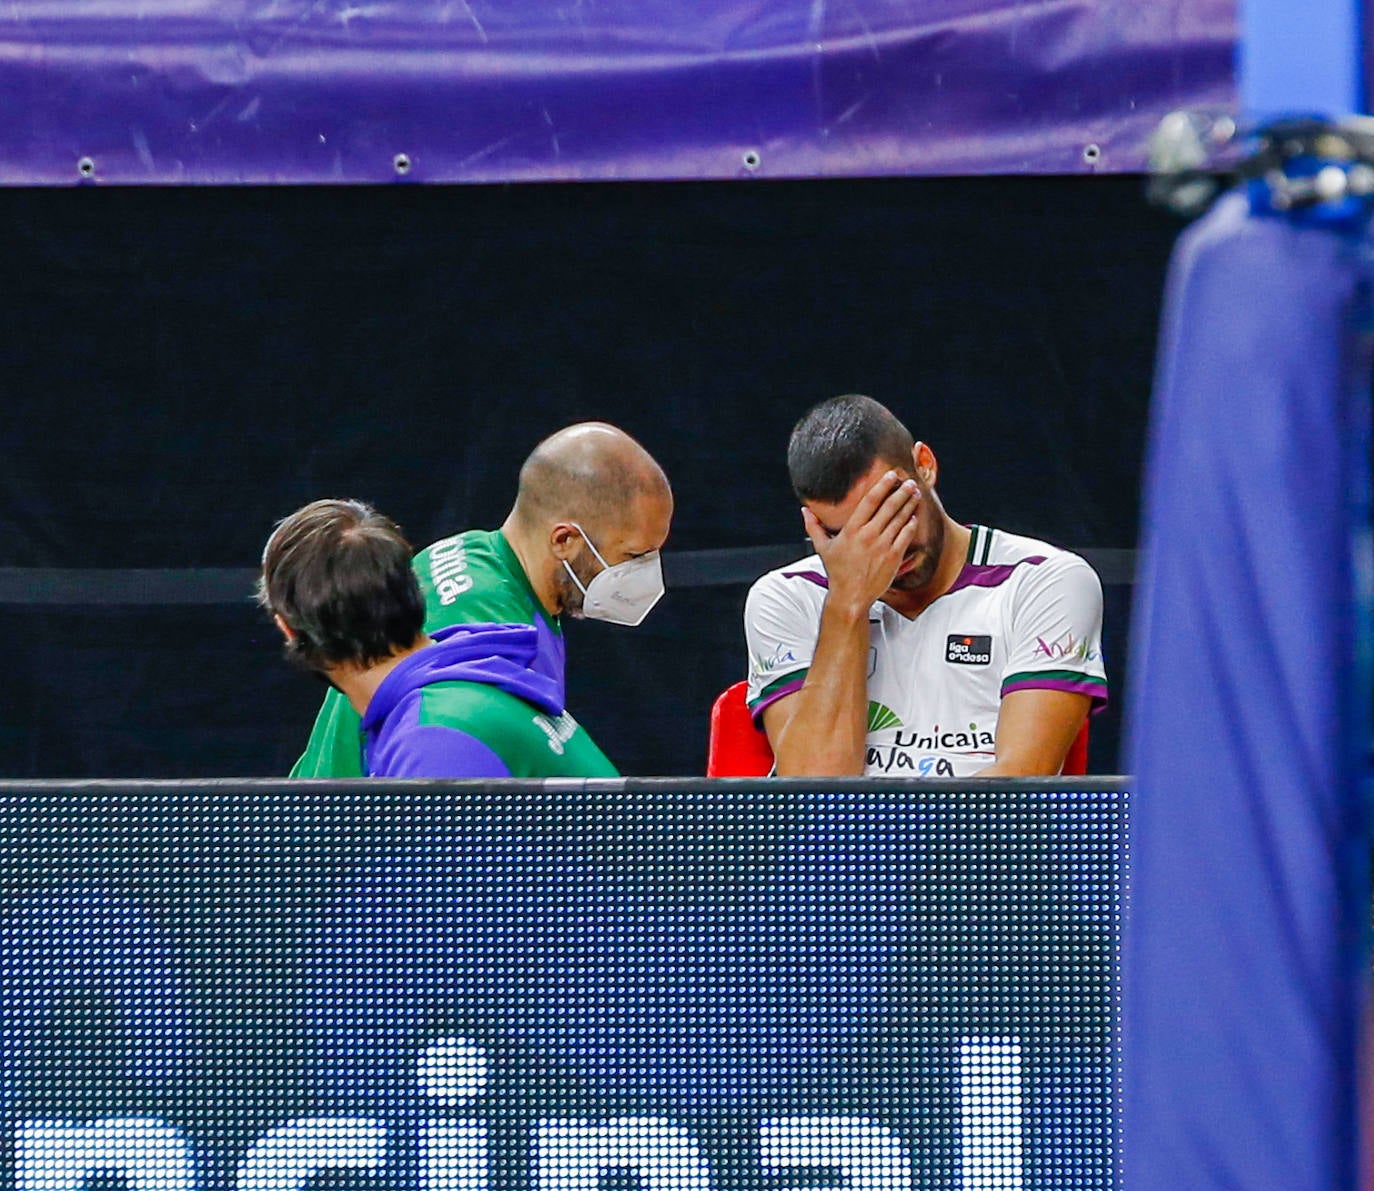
(570, 597)
(927, 562)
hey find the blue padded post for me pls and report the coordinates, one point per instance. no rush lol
(1250, 715)
(1300, 58)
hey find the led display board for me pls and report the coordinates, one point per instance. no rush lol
(651, 985)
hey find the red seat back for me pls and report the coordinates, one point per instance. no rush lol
(736, 747)
(1076, 761)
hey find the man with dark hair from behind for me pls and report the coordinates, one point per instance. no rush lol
(591, 513)
(909, 644)
(337, 579)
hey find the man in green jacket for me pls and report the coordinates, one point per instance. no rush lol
(591, 513)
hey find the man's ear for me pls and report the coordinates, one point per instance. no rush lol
(563, 540)
(286, 630)
(927, 469)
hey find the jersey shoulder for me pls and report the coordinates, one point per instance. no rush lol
(1001, 556)
(474, 578)
(803, 580)
(997, 547)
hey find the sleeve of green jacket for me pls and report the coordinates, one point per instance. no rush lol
(335, 745)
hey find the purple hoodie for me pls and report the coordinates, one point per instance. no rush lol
(398, 744)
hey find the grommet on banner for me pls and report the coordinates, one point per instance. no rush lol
(752, 160)
(1092, 154)
(86, 167)
(401, 163)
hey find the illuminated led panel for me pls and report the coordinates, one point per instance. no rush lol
(646, 987)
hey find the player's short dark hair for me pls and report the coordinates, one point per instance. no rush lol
(838, 440)
(339, 574)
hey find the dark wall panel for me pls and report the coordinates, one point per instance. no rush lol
(182, 367)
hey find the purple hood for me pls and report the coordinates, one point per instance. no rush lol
(500, 655)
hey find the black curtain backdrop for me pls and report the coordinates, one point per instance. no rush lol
(182, 367)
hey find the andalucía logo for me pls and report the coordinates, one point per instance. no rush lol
(1067, 648)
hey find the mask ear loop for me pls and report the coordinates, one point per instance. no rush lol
(586, 538)
(573, 576)
(567, 566)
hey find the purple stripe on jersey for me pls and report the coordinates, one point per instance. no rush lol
(756, 709)
(810, 576)
(988, 575)
(1088, 686)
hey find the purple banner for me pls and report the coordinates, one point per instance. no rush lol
(315, 91)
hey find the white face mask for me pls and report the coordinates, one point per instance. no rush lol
(624, 593)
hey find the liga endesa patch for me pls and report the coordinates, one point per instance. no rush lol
(964, 650)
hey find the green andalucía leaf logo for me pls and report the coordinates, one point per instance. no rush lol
(880, 717)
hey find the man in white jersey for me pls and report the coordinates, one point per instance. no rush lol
(909, 645)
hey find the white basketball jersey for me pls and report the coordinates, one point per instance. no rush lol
(1021, 615)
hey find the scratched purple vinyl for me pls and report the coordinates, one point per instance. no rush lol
(318, 91)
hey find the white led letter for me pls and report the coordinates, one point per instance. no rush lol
(148, 1154)
(865, 1155)
(990, 1114)
(287, 1157)
(572, 1155)
(452, 1072)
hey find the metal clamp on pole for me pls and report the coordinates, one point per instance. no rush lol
(1305, 163)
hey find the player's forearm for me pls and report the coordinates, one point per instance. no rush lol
(1034, 731)
(826, 735)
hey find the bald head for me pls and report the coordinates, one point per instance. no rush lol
(590, 497)
(592, 473)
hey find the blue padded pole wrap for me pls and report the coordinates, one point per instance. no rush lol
(1306, 57)
(1250, 716)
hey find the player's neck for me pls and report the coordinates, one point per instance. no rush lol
(535, 561)
(359, 685)
(953, 554)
